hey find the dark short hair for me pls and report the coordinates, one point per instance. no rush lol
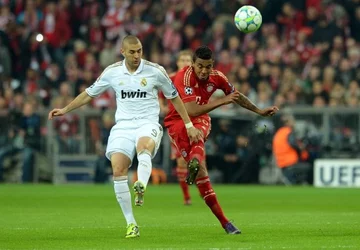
(203, 52)
(130, 39)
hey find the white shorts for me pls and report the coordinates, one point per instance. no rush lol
(124, 140)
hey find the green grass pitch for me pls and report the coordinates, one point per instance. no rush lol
(88, 217)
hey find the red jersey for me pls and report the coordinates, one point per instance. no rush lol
(191, 89)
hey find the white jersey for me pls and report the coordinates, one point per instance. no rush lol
(137, 93)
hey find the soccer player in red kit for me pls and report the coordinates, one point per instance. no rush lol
(195, 85)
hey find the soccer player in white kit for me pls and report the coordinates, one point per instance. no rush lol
(137, 129)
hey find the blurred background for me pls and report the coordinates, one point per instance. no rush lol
(304, 59)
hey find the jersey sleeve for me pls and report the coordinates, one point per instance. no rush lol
(101, 84)
(166, 85)
(186, 92)
(224, 84)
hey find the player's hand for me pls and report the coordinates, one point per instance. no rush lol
(194, 134)
(55, 112)
(231, 98)
(270, 111)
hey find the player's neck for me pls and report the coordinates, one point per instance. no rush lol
(201, 80)
(130, 68)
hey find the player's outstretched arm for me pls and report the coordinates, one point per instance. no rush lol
(193, 133)
(79, 101)
(195, 109)
(244, 102)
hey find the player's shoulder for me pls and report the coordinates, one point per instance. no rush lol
(113, 67)
(110, 70)
(184, 75)
(218, 74)
(154, 66)
(186, 72)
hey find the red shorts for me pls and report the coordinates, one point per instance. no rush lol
(174, 152)
(179, 137)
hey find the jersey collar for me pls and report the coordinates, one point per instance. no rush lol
(139, 69)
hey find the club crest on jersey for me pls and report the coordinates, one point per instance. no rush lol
(143, 82)
(188, 91)
(210, 87)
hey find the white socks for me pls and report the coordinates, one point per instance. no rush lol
(122, 193)
(144, 167)
(121, 186)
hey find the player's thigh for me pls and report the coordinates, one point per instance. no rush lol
(120, 164)
(148, 137)
(123, 142)
(179, 137)
(204, 126)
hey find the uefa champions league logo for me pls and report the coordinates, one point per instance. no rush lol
(188, 90)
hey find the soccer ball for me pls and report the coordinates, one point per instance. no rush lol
(248, 19)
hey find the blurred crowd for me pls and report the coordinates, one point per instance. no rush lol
(306, 53)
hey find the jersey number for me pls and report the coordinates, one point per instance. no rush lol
(154, 133)
(198, 99)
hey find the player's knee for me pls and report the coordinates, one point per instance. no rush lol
(145, 144)
(144, 151)
(120, 178)
(202, 171)
(119, 170)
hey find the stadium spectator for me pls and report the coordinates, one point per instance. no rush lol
(227, 160)
(100, 134)
(290, 154)
(24, 140)
(67, 129)
(326, 38)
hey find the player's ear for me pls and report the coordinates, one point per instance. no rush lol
(122, 51)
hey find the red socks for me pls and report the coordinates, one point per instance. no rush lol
(209, 196)
(181, 176)
(197, 151)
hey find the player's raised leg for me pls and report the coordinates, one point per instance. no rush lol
(198, 161)
(120, 164)
(149, 138)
